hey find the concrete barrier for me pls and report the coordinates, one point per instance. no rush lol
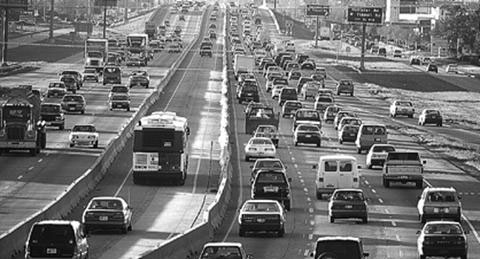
(13, 242)
(273, 17)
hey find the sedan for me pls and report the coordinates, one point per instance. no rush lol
(260, 147)
(442, 238)
(261, 216)
(348, 133)
(307, 134)
(432, 68)
(267, 131)
(430, 116)
(138, 79)
(84, 134)
(378, 154)
(347, 203)
(108, 213)
(267, 164)
(289, 108)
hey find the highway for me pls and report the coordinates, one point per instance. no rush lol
(27, 183)
(393, 219)
(162, 212)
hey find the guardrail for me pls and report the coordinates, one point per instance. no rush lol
(12, 242)
(190, 243)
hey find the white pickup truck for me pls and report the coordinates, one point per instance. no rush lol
(403, 167)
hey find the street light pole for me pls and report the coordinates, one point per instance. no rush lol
(50, 35)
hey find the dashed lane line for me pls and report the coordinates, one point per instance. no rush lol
(380, 200)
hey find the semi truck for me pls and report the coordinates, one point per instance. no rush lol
(20, 125)
(138, 43)
(243, 64)
(96, 53)
(151, 29)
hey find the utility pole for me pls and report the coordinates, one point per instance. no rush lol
(362, 55)
(50, 34)
(316, 32)
(125, 17)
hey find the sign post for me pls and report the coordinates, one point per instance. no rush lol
(5, 6)
(317, 10)
(105, 4)
(364, 15)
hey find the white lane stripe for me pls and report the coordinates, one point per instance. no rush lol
(123, 183)
(470, 225)
(40, 160)
(397, 237)
(30, 168)
(19, 177)
(373, 190)
(380, 200)
(394, 223)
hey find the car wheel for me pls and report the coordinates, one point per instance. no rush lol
(319, 195)
(351, 94)
(394, 115)
(439, 124)
(247, 158)
(124, 229)
(72, 145)
(130, 227)
(128, 109)
(365, 220)
(410, 116)
(386, 183)
(369, 166)
(423, 257)
(241, 232)
(281, 232)
(419, 184)
(82, 112)
(295, 143)
(319, 144)
(95, 145)
(332, 219)
(287, 205)
(61, 127)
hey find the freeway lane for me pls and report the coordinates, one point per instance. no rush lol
(161, 212)
(391, 231)
(27, 184)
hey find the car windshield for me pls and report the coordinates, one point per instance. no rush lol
(221, 252)
(308, 128)
(340, 249)
(72, 98)
(271, 177)
(432, 112)
(443, 229)
(383, 149)
(441, 196)
(261, 207)
(348, 196)
(261, 141)
(50, 108)
(120, 89)
(269, 164)
(106, 204)
(404, 156)
(404, 104)
(83, 128)
(293, 105)
(309, 115)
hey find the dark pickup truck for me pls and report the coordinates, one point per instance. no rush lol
(53, 115)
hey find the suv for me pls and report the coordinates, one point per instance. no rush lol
(52, 114)
(439, 203)
(272, 184)
(112, 75)
(339, 247)
(345, 86)
(78, 76)
(248, 93)
(55, 239)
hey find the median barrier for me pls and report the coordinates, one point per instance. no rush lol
(275, 21)
(12, 242)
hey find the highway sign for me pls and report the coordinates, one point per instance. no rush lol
(365, 14)
(316, 9)
(14, 4)
(102, 3)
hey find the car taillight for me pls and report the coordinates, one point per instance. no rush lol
(252, 149)
(269, 149)
(355, 179)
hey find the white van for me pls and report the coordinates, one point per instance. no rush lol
(334, 172)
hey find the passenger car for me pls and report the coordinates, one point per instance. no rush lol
(259, 147)
(348, 121)
(55, 92)
(261, 215)
(348, 133)
(267, 131)
(431, 68)
(266, 163)
(430, 116)
(402, 108)
(442, 238)
(397, 53)
(90, 74)
(71, 83)
(57, 239)
(139, 78)
(439, 203)
(307, 134)
(289, 108)
(73, 103)
(338, 247)
(306, 116)
(378, 154)
(219, 250)
(52, 114)
(272, 184)
(287, 94)
(340, 115)
(118, 89)
(345, 86)
(331, 112)
(84, 134)
(77, 75)
(107, 213)
(135, 61)
(347, 203)
(119, 101)
(415, 61)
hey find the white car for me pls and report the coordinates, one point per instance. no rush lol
(107, 213)
(84, 134)
(276, 90)
(439, 203)
(260, 147)
(261, 215)
(90, 74)
(402, 108)
(307, 134)
(378, 154)
(224, 250)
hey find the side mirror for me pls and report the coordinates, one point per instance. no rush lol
(289, 179)
(419, 232)
(314, 166)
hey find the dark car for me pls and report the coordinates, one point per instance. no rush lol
(430, 116)
(206, 51)
(347, 203)
(70, 82)
(248, 93)
(266, 164)
(442, 238)
(339, 247)
(345, 86)
(331, 112)
(307, 65)
(74, 103)
(53, 115)
(290, 107)
(382, 52)
(432, 68)
(307, 134)
(348, 133)
(415, 61)
(272, 184)
(78, 76)
(299, 58)
(287, 94)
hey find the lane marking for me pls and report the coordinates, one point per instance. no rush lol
(387, 211)
(30, 168)
(40, 160)
(19, 177)
(397, 237)
(373, 190)
(310, 210)
(394, 224)
(305, 189)
(295, 165)
(380, 200)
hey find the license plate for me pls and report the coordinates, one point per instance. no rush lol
(377, 139)
(348, 206)
(308, 136)
(71, 108)
(270, 189)
(261, 220)
(103, 218)
(352, 134)
(330, 186)
(249, 94)
(51, 251)
(440, 210)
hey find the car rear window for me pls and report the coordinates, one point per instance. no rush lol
(441, 196)
(106, 204)
(261, 113)
(289, 91)
(221, 252)
(50, 108)
(269, 164)
(293, 105)
(348, 196)
(72, 98)
(443, 229)
(325, 99)
(271, 177)
(280, 81)
(120, 97)
(52, 233)
(383, 148)
(374, 130)
(259, 141)
(308, 128)
(432, 112)
(119, 89)
(342, 249)
(262, 206)
(83, 128)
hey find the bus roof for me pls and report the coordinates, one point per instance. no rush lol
(161, 119)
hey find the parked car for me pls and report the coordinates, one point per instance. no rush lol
(430, 116)
(348, 203)
(261, 216)
(442, 238)
(84, 134)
